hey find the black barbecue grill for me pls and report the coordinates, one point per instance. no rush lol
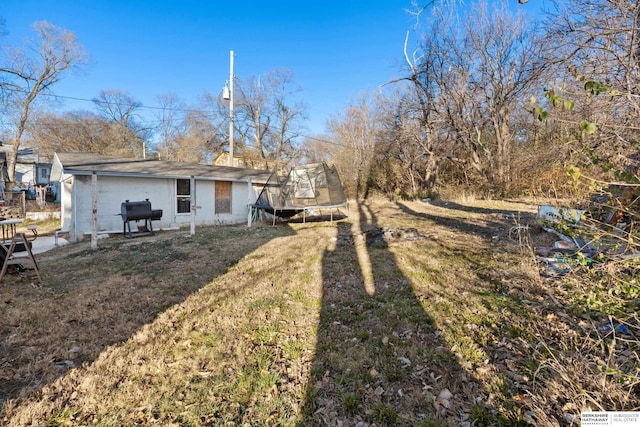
(138, 211)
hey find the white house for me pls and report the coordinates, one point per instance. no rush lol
(221, 194)
(30, 170)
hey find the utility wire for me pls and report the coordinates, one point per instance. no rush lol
(184, 110)
(98, 101)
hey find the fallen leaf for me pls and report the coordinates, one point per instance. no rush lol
(445, 394)
(521, 398)
(406, 362)
(446, 403)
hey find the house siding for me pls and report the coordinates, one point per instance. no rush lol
(113, 190)
(121, 179)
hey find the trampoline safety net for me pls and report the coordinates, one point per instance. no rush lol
(304, 187)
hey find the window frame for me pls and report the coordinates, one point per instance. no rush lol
(183, 199)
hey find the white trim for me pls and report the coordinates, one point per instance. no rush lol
(143, 175)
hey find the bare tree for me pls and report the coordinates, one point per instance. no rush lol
(215, 111)
(31, 72)
(596, 46)
(71, 131)
(317, 149)
(197, 143)
(356, 132)
(253, 118)
(171, 126)
(483, 71)
(122, 110)
(416, 122)
(287, 115)
(269, 118)
(407, 154)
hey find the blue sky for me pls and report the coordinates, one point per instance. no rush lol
(336, 49)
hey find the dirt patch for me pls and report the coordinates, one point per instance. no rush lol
(383, 235)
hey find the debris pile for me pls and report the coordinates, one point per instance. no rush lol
(383, 235)
(585, 237)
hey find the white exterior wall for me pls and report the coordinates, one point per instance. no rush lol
(76, 203)
(206, 203)
(204, 199)
(112, 191)
(66, 203)
(25, 173)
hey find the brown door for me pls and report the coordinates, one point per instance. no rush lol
(223, 197)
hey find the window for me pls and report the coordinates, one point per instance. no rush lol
(223, 197)
(44, 173)
(183, 195)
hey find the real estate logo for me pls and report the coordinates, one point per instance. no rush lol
(610, 418)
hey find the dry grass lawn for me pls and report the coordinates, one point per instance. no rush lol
(316, 324)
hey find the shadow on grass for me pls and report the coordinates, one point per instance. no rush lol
(94, 299)
(322, 218)
(476, 209)
(498, 224)
(494, 312)
(377, 353)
